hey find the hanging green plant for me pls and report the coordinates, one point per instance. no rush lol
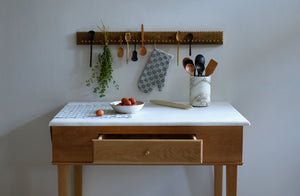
(101, 76)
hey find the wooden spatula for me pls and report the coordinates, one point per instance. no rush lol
(210, 67)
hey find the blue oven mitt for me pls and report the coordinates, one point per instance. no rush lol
(155, 71)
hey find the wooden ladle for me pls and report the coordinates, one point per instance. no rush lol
(120, 50)
(142, 50)
(127, 38)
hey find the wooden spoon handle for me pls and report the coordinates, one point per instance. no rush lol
(127, 53)
(178, 54)
(142, 35)
(127, 38)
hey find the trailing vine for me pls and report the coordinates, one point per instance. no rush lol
(102, 72)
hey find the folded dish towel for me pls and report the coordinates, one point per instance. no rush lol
(155, 71)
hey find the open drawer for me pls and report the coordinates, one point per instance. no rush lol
(148, 149)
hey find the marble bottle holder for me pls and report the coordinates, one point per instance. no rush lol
(200, 91)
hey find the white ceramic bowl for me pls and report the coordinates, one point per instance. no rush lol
(127, 109)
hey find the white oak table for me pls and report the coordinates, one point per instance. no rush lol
(157, 135)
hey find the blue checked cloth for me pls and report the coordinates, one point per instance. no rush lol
(155, 71)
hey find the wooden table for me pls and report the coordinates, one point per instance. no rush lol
(157, 135)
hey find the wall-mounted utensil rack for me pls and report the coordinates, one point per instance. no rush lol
(200, 37)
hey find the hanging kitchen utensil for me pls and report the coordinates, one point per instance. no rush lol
(91, 39)
(210, 68)
(200, 64)
(120, 50)
(127, 38)
(189, 38)
(178, 40)
(143, 50)
(134, 53)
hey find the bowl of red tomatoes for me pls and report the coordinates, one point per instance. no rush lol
(127, 106)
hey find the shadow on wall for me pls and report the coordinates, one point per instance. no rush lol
(25, 160)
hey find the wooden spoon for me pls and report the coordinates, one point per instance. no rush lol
(178, 40)
(143, 50)
(120, 50)
(127, 38)
(190, 68)
(188, 65)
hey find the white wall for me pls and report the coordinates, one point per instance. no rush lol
(42, 69)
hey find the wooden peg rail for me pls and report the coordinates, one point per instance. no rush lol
(200, 37)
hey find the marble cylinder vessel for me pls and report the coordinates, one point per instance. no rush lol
(200, 91)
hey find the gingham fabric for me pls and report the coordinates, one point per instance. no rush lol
(155, 71)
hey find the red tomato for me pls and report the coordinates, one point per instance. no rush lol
(133, 101)
(127, 102)
(99, 112)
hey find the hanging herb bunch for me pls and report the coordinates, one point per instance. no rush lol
(101, 76)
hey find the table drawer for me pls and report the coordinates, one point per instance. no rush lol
(147, 149)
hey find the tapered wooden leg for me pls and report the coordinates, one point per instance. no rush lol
(218, 179)
(231, 180)
(63, 180)
(78, 180)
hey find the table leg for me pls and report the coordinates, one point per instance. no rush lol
(231, 180)
(63, 180)
(218, 179)
(78, 180)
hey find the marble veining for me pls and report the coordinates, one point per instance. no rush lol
(200, 91)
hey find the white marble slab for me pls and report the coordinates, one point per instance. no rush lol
(217, 114)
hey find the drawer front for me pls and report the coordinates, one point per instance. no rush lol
(147, 151)
(221, 144)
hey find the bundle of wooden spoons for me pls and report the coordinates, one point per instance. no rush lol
(190, 67)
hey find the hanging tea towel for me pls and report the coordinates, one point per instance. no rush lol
(155, 71)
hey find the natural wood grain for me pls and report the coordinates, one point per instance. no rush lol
(63, 180)
(231, 180)
(145, 151)
(209, 70)
(218, 179)
(221, 144)
(200, 37)
(78, 180)
(171, 104)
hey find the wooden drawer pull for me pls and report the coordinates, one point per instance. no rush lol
(147, 153)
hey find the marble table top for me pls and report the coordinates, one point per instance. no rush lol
(217, 114)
